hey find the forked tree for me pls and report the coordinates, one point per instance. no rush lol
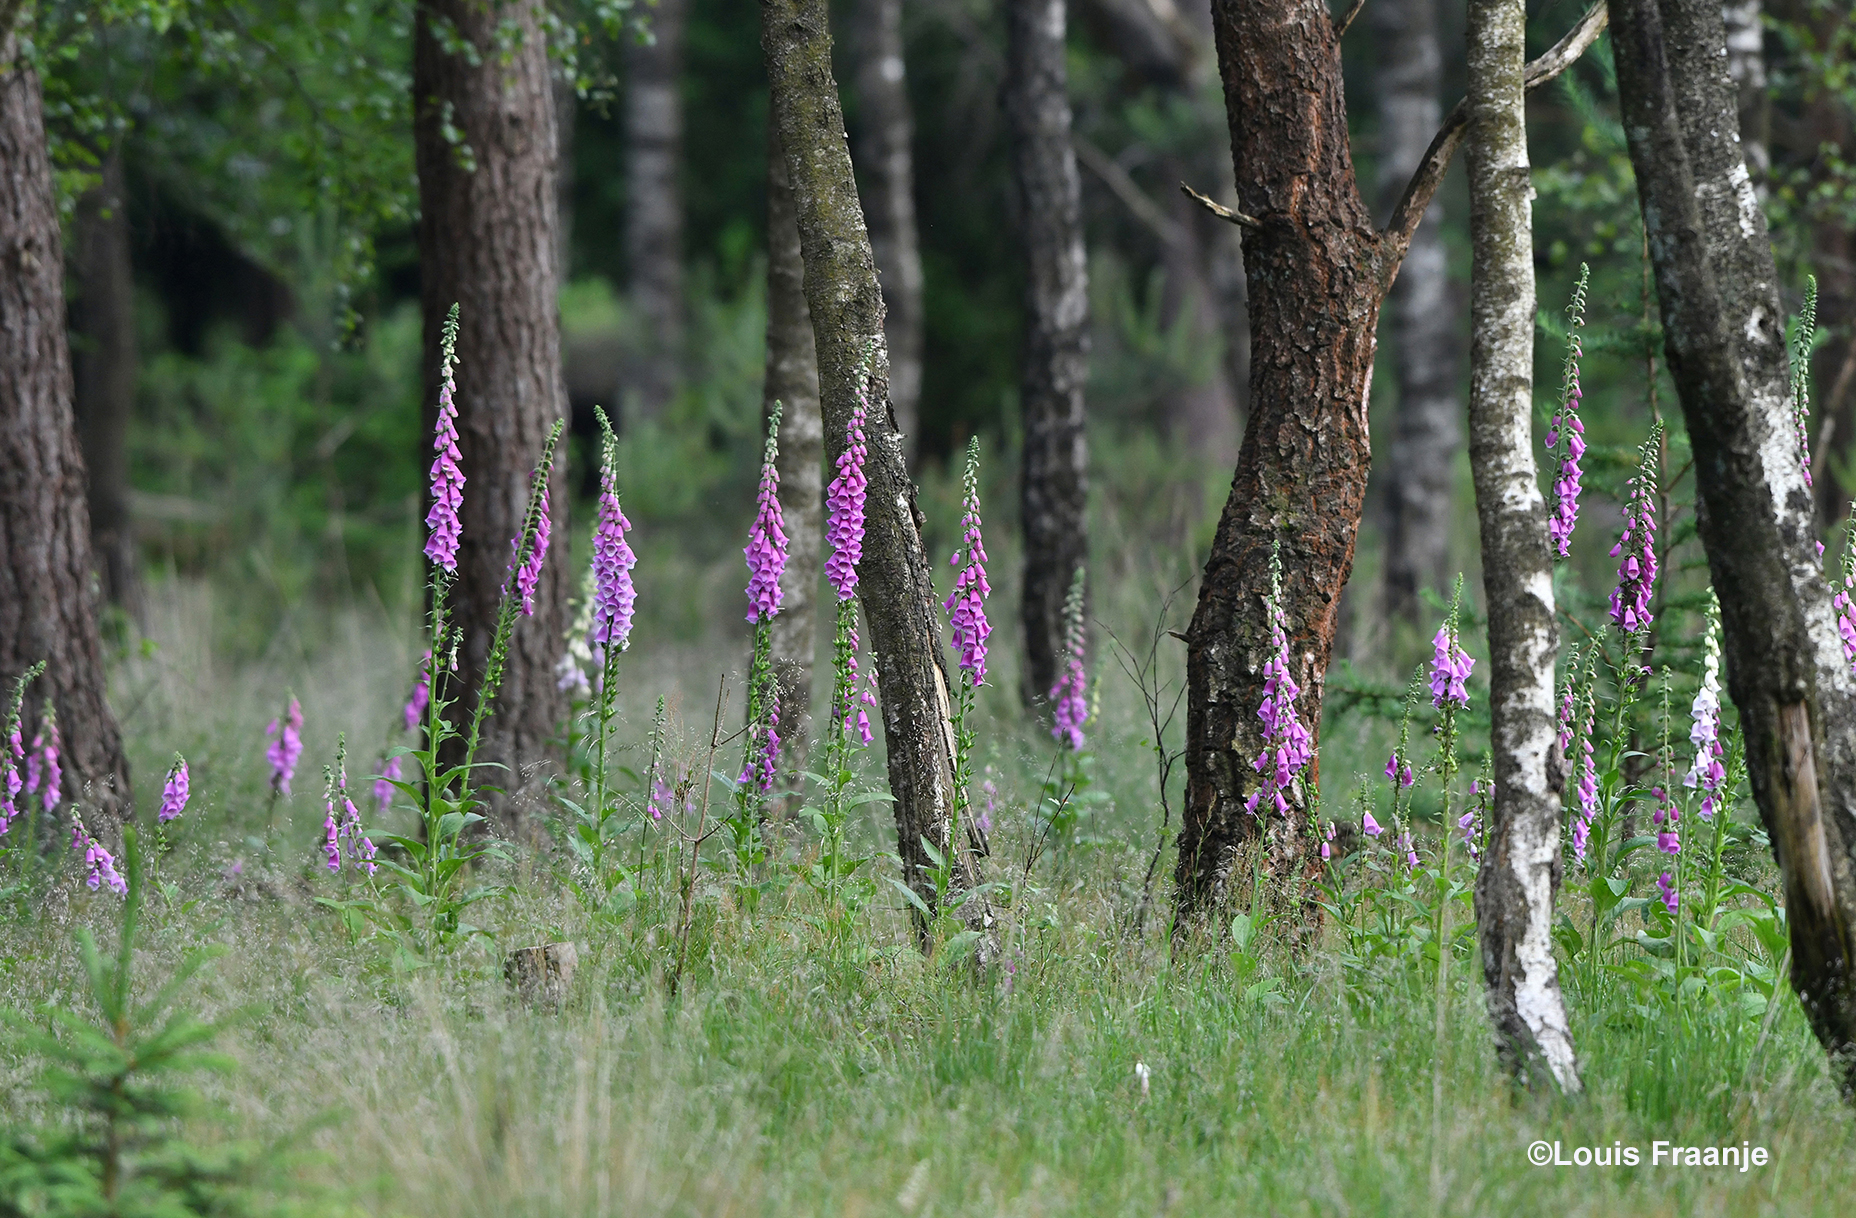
(483, 129)
(48, 601)
(1723, 330)
(1318, 271)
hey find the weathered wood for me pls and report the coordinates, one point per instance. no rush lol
(1723, 332)
(48, 608)
(896, 591)
(1054, 478)
(487, 242)
(542, 976)
(792, 380)
(1520, 872)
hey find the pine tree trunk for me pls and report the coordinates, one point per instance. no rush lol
(792, 380)
(1426, 433)
(885, 150)
(103, 365)
(1314, 273)
(1054, 482)
(1723, 331)
(487, 242)
(896, 590)
(654, 208)
(48, 608)
(1520, 872)
(1317, 272)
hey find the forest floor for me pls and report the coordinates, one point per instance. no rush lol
(1093, 1072)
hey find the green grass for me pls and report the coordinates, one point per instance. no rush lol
(785, 1079)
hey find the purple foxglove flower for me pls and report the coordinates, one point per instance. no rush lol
(175, 793)
(1636, 549)
(990, 791)
(421, 697)
(1566, 714)
(966, 604)
(99, 864)
(390, 771)
(1449, 669)
(1327, 843)
(286, 748)
(1588, 794)
(1392, 766)
(1287, 744)
(445, 530)
(1070, 695)
(1666, 889)
(1568, 427)
(661, 797)
(766, 548)
(845, 502)
(614, 597)
(764, 764)
(528, 579)
(1411, 853)
(360, 847)
(331, 846)
(1368, 825)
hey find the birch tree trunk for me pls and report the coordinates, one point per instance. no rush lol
(103, 367)
(654, 208)
(895, 587)
(886, 150)
(1746, 63)
(1054, 480)
(1520, 873)
(1723, 331)
(792, 380)
(1426, 434)
(48, 607)
(487, 242)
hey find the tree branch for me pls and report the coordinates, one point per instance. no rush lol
(1346, 23)
(1220, 210)
(1430, 173)
(1128, 191)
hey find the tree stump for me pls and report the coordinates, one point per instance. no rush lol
(540, 975)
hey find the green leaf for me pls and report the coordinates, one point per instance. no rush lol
(911, 896)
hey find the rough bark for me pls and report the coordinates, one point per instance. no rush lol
(48, 602)
(1746, 63)
(103, 366)
(1314, 277)
(1723, 333)
(895, 587)
(1520, 872)
(1316, 272)
(792, 380)
(654, 209)
(1054, 479)
(885, 148)
(487, 242)
(1426, 432)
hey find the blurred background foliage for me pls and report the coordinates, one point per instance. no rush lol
(266, 145)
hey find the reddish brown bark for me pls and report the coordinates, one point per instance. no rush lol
(487, 242)
(48, 607)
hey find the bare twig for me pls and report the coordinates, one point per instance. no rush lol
(1129, 192)
(1346, 23)
(1430, 173)
(1220, 210)
(1144, 673)
(689, 883)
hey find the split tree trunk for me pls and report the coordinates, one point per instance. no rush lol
(1723, 331)
(1426, 433)
(792, 380)
(654, 209)
(487, 241)
(1054, 481)
(885, 149)
(103, 366)
(1520, 871)
(48, 608)
(1317, 272)
(895, 587)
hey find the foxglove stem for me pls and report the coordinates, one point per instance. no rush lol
(1636, 549)
(1070, 695)
(613, 602)
(966, 609)
(1801, 375)
(507, 607)
(13, 753)
(1566, 437)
